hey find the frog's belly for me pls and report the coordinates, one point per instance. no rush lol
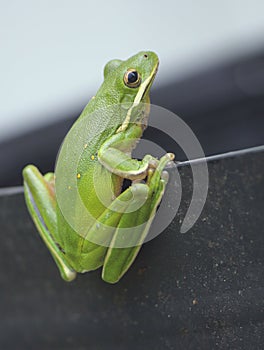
(98, 188)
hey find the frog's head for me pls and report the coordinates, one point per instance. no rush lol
(128, 83)
(130, 80)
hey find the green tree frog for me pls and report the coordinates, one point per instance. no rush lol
(126, 83)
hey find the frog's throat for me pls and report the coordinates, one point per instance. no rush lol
(143, 88)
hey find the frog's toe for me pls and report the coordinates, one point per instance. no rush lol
(170, 156)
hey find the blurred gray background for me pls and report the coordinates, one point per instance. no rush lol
(53, 52)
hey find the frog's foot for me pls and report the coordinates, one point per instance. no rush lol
(41, 203)
(154, 174)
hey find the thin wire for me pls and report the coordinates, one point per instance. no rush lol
(221, 156)
(8, 191)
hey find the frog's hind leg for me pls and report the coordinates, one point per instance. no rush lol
(99, 236)
(41, 203)
(118, 260)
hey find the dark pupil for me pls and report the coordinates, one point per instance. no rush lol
(132, 77)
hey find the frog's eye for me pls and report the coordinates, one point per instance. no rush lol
(132, 78)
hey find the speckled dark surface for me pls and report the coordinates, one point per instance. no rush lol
(199, 290)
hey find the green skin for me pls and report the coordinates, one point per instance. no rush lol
(111, 152)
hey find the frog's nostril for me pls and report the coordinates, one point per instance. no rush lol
(146, 56)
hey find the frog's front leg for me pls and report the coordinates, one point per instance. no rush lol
(41, 203)
(115, 155)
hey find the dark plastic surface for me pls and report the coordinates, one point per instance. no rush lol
(199, 290)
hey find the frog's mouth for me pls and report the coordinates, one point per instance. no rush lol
(149, 82)
(145, 86)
